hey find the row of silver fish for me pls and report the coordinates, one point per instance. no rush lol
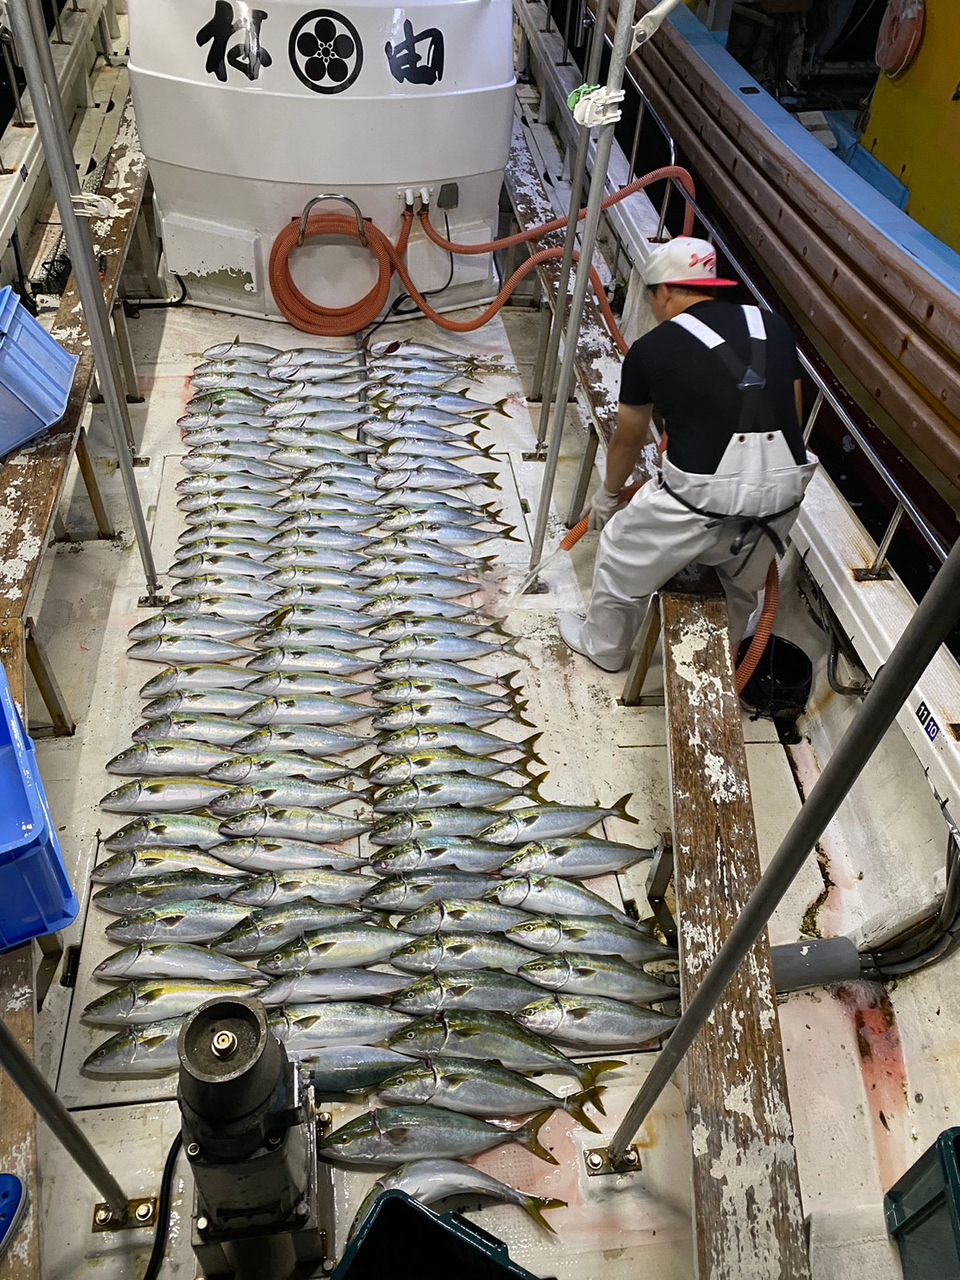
(414, 920)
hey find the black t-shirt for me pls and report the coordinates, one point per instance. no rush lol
(694, 391)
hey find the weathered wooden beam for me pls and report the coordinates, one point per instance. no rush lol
(748, 1215)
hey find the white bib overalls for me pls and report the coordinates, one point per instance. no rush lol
(735, 520)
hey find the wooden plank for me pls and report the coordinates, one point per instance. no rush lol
(747, 1207)
(597, 355)
(32, 480)
(19, 1128)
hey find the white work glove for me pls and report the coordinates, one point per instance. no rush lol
(603, 506)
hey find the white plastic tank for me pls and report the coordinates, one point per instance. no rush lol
(247, 113)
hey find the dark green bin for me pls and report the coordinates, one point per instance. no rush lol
(923, 1212)
(401, 1239)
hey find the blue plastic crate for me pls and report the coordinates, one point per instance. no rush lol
(35, 894)
(36, 375)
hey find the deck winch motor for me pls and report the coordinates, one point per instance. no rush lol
(249, 1133)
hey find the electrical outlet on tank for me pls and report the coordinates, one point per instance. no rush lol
(246, 114)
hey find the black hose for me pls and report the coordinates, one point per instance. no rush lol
(158, 1252)
(396, 307)
(160, 304)
(926, 941)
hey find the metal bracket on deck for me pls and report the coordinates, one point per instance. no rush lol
(658, 881)
(599, 1164)
(140, 1213)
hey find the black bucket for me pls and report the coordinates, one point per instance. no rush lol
(780, 687)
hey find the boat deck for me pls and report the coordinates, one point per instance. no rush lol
(634, 1225)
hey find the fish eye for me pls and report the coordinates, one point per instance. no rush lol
(411, 1035)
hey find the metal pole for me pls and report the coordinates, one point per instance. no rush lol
(26, 291)
(618, 62)
(28, 1079)
(879, 560)
(577, 176)
(631, 170)
(814, 414)
(21, 119)
(662, 224)
(568, 20)
(49, 69)
(85, 272)
(935, 617)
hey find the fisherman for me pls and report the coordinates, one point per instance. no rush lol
(725, 381)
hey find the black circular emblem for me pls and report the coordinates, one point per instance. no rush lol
(326, 51)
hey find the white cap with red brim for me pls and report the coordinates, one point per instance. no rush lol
(684, 260)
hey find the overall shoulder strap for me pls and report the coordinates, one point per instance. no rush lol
(756, 413)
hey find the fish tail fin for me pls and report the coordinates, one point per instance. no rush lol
(535, 1207)
(508, 532)
(520, 707)
(501, 407)
(621, 808)
(577, 1102)
(532, 790)
(529, 1136)
(514, 681)
(490, 479)
(590, 1072)
(527, 746)
(486, 450)
(491, 511)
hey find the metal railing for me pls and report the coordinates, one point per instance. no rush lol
(905, 506)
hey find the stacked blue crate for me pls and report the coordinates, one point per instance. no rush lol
(36, 376)
(35, 894)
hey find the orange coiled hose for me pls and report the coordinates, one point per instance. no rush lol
(339, 322)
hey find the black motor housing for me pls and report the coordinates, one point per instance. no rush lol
(249, 1132)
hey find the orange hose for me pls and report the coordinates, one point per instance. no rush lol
(761, 637)
(340, 322)
(548, 228)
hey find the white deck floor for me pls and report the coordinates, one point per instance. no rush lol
(862, 1115)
